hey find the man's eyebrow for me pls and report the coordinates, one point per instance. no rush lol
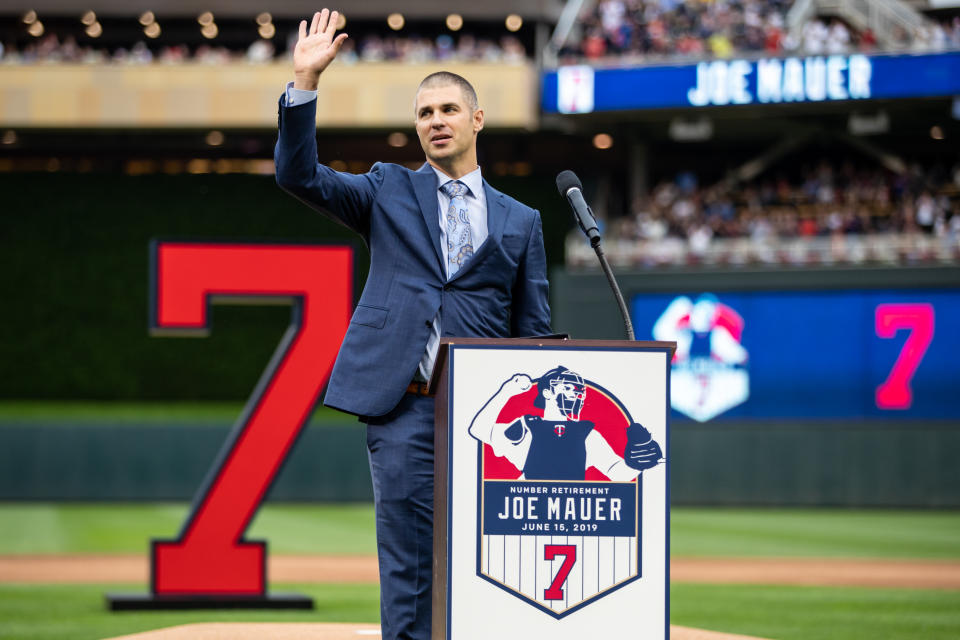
(442, 106)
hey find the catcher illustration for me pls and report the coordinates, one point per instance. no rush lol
(559, 445)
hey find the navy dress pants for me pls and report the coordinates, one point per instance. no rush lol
(400, 447)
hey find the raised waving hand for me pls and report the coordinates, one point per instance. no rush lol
(316, 48)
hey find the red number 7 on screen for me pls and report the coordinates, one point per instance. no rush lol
(210, 557)
(895, 391)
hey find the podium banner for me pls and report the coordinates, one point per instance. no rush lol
(556, 505)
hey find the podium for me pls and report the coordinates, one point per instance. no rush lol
(551, 499)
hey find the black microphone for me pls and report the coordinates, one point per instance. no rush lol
(568, 184)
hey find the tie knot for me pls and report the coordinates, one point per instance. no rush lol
(454, 189)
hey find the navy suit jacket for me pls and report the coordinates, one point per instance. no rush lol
(501, 291)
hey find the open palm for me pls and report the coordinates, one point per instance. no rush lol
(317, 48)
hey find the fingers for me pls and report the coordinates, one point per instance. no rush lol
(339, 41)
(332, 25)
(324, 20)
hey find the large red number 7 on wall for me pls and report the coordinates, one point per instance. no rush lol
(210, 557)
(895, 392)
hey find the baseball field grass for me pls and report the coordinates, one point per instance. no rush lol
(349, 529)
(48, 611)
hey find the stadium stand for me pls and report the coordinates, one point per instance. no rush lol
(680, 212)
(622, 31)
(208, 39)
(820, 214)
(371, 48)
(645, 30)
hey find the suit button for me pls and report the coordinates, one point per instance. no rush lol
(428, 323)
(447, 287)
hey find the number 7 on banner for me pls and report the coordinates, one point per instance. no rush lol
(569, 554)
(210, 557)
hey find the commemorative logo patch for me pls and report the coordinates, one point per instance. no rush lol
(710, 374)
(560, 471)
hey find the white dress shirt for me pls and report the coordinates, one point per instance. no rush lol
(476, 199)
(299, 96)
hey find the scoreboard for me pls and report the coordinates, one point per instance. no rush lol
(855, 353)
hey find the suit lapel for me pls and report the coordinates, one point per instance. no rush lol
(425, 186)
(496, 218)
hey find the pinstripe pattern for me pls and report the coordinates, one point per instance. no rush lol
(517, 562)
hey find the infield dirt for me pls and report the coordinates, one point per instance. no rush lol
(932, 574)
(321, 631)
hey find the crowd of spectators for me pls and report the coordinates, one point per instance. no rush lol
(625, 30)
(652, 29)
(823, 201)
(50, 48)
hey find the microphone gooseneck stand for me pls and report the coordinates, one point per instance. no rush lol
(570, 187)
(607, 271)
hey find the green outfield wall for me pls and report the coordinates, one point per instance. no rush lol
(47, 461)
(75, 279)
(902, 465)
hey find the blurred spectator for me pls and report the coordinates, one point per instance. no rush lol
(838, 37)
(175, 54)
(140, 54)
(260, 52)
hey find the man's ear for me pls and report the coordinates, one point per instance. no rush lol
(478, 120)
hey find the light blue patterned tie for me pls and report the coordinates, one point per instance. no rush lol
(459, 236)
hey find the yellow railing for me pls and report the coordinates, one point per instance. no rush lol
(367, 95)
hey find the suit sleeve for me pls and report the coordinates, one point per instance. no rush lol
(344, 197)
(530, 315)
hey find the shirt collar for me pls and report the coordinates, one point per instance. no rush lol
(473, 180)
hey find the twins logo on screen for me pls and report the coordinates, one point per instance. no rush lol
(709, 373)
(560, 465)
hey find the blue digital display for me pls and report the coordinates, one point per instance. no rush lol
(582, 89)
(809, 354)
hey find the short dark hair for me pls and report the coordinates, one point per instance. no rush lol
(444, 78)
(544, 383)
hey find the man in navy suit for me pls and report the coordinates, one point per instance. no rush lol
(449, 256)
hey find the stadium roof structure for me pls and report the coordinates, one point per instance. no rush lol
(417, 9)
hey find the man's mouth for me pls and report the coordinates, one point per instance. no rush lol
(441, 138)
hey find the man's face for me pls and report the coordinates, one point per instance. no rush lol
(568, 396)
(446, 126)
